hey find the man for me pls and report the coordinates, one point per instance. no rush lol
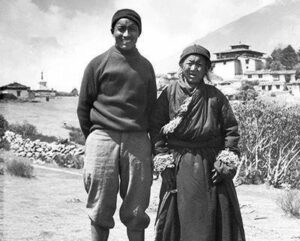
(117, 94)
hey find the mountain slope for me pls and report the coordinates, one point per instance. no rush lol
(263, 30)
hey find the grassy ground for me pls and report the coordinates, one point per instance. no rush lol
(51, 206)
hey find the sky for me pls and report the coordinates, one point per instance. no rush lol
(60, 37)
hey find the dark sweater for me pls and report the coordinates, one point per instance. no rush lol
(118, 91)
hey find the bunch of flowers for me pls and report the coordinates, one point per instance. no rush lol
(163, 161)
(228, 157)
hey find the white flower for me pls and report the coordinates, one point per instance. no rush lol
(163, 161)
(228, 157)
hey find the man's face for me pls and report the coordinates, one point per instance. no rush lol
(194, 68)
(126, 33)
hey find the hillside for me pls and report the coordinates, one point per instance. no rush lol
(275, 24)
(263, 30)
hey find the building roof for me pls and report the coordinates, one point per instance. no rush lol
(240, 45)
(223, 60)
(14, 86)
(268, 71)
(240, 49)
(43, 91)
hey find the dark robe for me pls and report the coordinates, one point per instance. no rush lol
(205, 211)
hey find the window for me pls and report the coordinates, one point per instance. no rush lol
(249, 76)
(260, 76)
(263, 87)
(247, 61)
(278, 87)
(18, 93)
(275, 77)
(269, 87)
(287, 78)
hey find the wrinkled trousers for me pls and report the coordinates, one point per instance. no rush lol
(118, 161)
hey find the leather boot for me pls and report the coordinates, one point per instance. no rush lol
(98, 233)
(136, 235)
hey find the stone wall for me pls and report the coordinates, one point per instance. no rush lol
(66, 155)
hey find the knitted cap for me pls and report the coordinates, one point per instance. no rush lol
(126, 13)
(195, 49)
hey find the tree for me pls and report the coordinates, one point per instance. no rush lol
(276, 65)
(269, 60)
(247, 92)
(289, 57)
(277, 54)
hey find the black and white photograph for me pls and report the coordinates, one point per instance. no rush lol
(149, 120)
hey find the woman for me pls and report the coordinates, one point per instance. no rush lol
(117, 94)
(191, 123)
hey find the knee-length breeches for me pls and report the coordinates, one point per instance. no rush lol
(118, 161)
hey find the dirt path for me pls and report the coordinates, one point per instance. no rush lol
(52, 207)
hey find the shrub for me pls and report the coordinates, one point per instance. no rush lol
(247, 92)
(20, 167)
(4, 144)
(75, 134)
(3, 125)
(1, 166)
(289, 202)
(27, 130)
(69, 161)
(270, 143)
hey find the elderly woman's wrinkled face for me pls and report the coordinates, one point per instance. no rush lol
(126, 33)
(194, 68)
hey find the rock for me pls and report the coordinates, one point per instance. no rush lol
(39, 149)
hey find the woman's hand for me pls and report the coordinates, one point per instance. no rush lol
(223, 171)
(169, 178)
(216, 177)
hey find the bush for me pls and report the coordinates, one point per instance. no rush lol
(27, 130)
(247, 92)
(4, 144)
(75, 134)
(2, 166)
(69, 161)
(20, 167)
(289, 202)
(3, 125)
(269, 144)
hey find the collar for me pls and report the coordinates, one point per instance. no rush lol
(187, 88)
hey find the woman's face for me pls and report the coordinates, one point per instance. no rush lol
(126, 33)
(194, 68)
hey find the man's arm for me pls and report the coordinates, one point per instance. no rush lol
(87, 96)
